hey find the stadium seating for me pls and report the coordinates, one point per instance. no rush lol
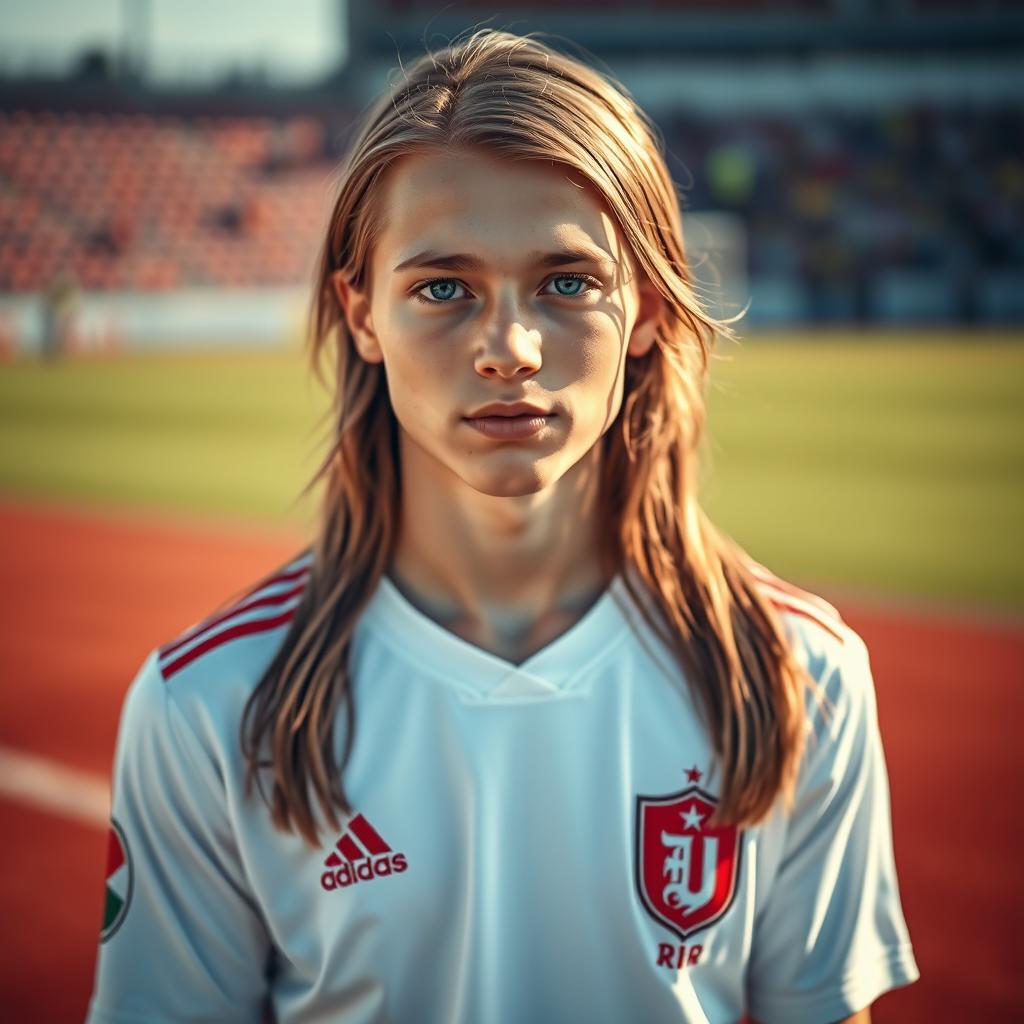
(137, 202)
(859, 214)
(891, 214)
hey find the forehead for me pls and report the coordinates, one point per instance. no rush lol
(497, 209)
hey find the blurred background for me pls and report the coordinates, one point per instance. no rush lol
(851, 173)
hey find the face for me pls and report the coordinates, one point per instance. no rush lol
(513, 323)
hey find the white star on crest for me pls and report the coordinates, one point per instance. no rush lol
(691, 817)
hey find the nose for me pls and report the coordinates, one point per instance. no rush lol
(512, 349)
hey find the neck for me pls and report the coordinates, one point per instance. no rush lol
(497, 565)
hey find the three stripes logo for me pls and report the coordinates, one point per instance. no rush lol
(361, 854)
(268, 606)
(119, 881)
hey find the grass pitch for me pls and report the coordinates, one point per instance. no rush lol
(887, 463)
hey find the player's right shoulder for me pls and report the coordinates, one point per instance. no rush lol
(231, 648)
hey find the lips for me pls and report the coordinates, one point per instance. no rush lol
(509, 409)
(512, 428)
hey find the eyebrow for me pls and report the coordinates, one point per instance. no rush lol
(465, 261)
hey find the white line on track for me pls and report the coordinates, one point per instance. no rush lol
(51, 786)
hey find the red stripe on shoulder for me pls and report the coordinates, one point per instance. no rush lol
(797, 610)
(248, 603)
(767, 576)
(785, 596)
(225, 626)
(217, 639)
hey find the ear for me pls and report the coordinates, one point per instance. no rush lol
(648, 317)
(355, 307)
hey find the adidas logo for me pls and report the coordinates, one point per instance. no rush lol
(360, 855)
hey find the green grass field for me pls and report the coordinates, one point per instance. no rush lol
(892, 464)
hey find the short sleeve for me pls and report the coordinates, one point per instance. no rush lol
(181, 939)
(831, 937)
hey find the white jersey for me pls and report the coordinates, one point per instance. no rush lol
(528, 843)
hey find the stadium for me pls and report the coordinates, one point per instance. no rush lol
(851, 179)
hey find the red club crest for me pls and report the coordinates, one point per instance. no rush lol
(686, 872)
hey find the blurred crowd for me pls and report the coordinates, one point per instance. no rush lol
(830, 200)
(834, 199)
(125, 201)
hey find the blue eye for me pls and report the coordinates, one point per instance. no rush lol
(571, 280)
(444, 286)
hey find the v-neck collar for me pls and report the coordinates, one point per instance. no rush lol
(480, 674)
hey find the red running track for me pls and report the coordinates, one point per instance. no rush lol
(85, 598)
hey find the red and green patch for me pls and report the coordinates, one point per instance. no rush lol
(119, 881)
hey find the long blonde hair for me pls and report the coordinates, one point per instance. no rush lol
(517, 97)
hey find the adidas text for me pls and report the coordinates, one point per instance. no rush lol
(365, 870)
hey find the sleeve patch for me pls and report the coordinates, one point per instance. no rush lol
(119, 880)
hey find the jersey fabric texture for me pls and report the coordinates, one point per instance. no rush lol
(528, 843)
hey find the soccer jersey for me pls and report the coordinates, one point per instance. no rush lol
(528, 843)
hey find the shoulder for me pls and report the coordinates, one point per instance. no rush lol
(181, 714)
(219, 660)
(798, 606)
(248, 625)
(834, 654)
(814, 625)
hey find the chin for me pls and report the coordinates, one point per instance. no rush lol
(512, 482)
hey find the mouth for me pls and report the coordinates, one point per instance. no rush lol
(532, 414)
(509, 409)
(511, 428)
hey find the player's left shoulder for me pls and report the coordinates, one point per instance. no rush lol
(841, 705)
(832, 651)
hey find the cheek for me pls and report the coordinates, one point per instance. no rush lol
(597, 364)
(596, 359)
(419, 382)
(419, 348)
(597, 375)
